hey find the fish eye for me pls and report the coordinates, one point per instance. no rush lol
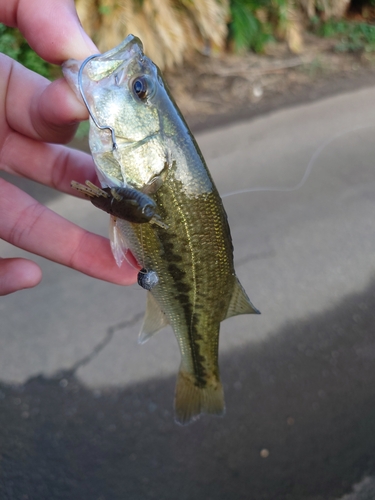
(140, 87)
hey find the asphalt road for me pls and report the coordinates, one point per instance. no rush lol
(87, 414)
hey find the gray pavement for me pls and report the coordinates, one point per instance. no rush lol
(87, 413)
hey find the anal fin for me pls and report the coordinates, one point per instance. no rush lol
(153, 321)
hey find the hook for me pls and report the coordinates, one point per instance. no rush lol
(101, 127)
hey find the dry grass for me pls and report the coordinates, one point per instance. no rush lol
(327, 8)
(170, 29)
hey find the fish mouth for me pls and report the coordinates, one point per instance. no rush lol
(131, 42)
(128, 52)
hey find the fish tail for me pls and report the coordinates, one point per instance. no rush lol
(191, 400)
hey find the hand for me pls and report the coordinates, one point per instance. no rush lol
(36, 114)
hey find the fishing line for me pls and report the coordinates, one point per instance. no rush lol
(92, 116)
(115, 230)
(308, 170)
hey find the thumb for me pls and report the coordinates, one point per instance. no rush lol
(53, 30)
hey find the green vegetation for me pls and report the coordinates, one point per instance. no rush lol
(353, 36)
(254, 23)
(246, 29)
(14, 45)
(83, 130)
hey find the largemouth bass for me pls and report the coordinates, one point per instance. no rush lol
(147, 161)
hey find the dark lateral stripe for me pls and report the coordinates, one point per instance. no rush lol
(183, 287)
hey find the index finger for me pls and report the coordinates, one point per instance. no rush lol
(33, 227)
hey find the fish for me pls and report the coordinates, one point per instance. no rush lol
(166, 210)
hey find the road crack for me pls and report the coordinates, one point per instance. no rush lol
(111, 330)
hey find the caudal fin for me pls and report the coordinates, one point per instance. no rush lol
(191, 400)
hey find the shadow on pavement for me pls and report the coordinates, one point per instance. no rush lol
(305, 395)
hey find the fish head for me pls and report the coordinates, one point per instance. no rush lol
(122, 89)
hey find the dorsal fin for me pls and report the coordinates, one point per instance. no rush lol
(153, 321)
(240, 302)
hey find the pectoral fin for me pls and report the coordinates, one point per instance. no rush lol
(240, 302)
(153, 321)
